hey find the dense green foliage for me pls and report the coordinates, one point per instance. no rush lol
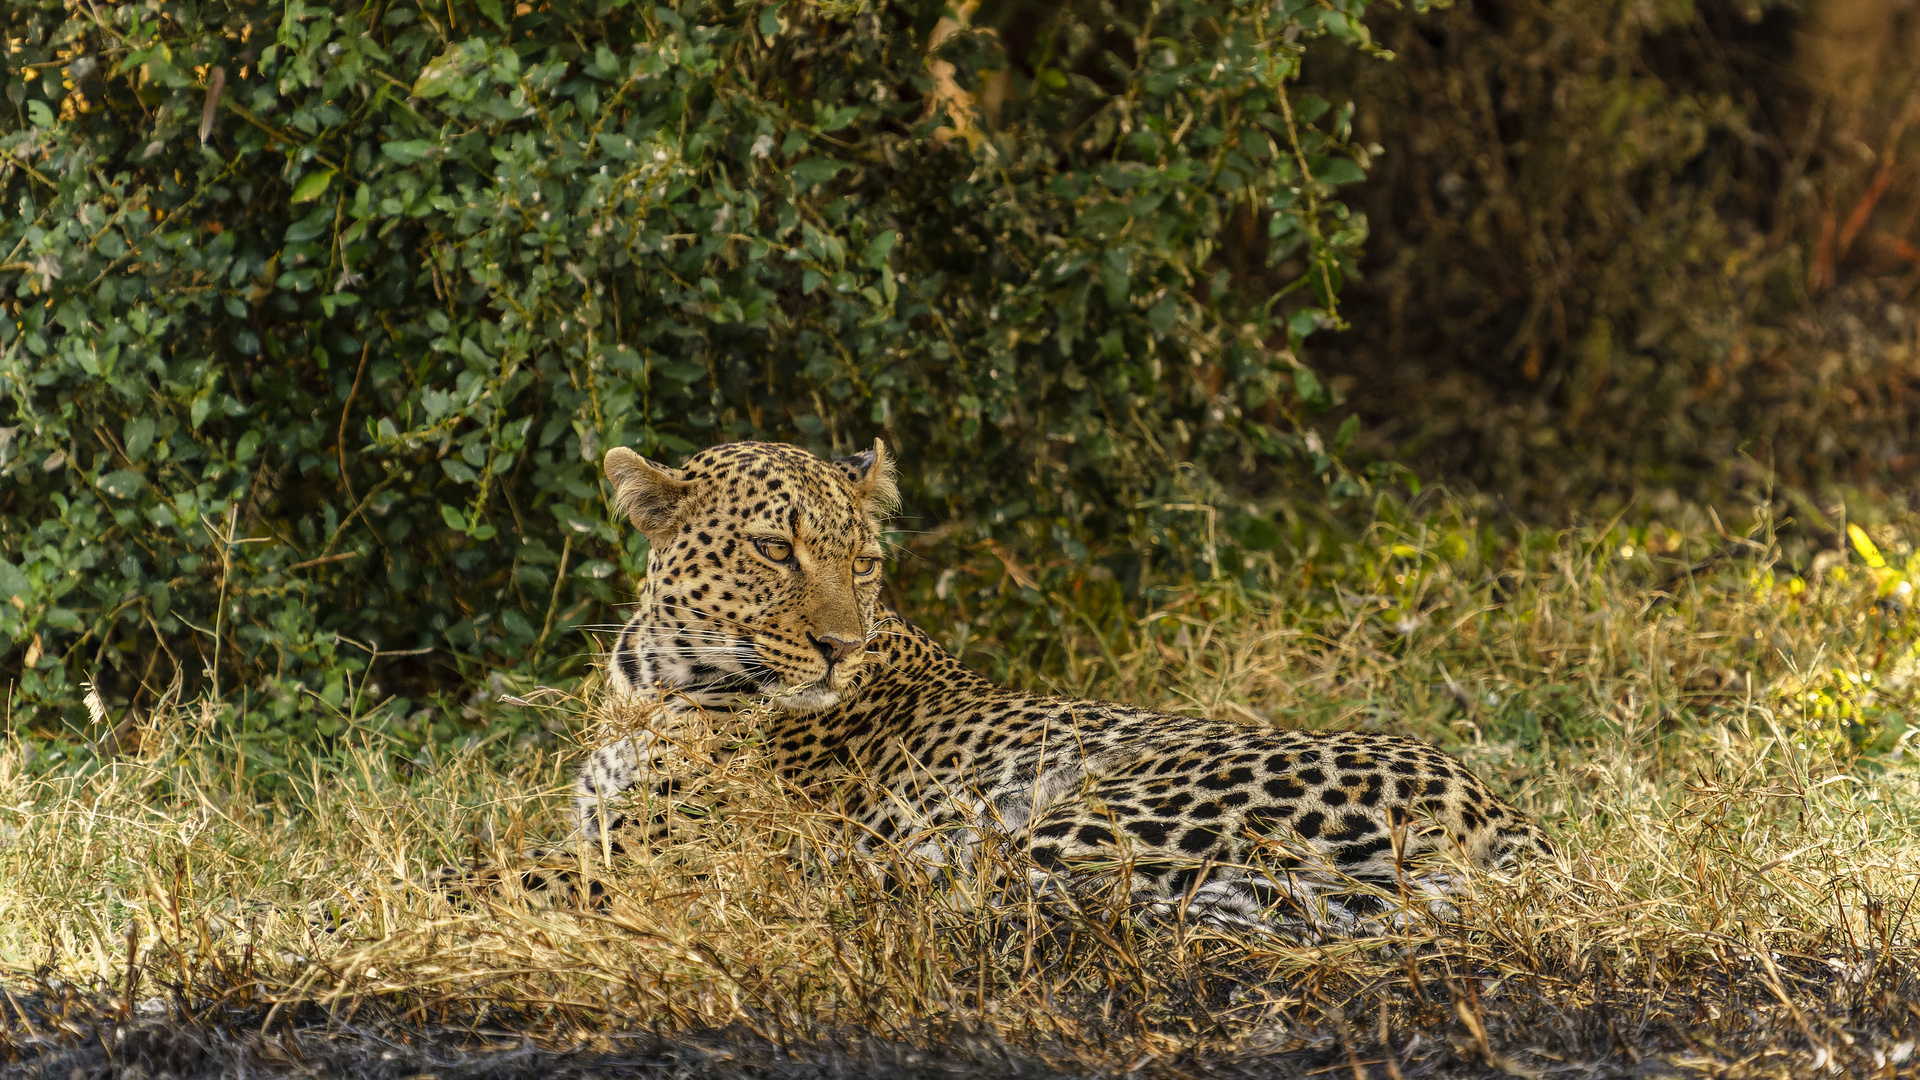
(319, 318)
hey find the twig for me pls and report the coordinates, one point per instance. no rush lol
(322, 560)
(553, 601)
(220, 610)
(30, 170)
(340, 438)
(216, 85)
(133, 970)
(357, 511)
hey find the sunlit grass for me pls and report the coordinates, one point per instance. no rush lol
(1715, 739)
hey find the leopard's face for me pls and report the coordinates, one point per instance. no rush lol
(763, 575)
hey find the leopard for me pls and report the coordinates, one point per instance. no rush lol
(763, 587)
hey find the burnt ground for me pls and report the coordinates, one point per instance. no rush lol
(1856, 1027)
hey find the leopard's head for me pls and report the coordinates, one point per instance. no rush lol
(763, 572)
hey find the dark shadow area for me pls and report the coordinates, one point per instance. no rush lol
(1685, 1020)
(1615, 252)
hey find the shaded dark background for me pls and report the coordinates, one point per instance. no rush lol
(1638, 253)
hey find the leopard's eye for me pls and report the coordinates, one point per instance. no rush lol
(865, 565)
(777, 550)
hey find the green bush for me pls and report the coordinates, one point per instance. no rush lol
(320, 318)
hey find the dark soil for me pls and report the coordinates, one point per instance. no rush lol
(1868, 1028)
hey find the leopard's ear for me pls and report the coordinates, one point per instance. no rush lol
(870, 472)
(652, 496)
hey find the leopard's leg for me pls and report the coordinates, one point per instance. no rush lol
(600, 804)
(610, 788)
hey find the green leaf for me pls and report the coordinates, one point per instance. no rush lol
(1115, 277)
(123, 484)
(453, 517)
(809, 173)
(875, 255)
(312, 186)
(138, 436)
(311, 226)
(1104, 215)
(1161, 317)
(407, 151)
(1308, 387)
(770, 21)
(833, 119)
(13, 581)
(1349, 428)
(605, 64)
(616, 146)
(517, 625)
(681, 371)
(440, 76)
(492, 9)
(1339, 170)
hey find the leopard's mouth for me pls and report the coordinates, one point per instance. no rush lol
(798, 695)
(755, 675)
(743, 670)
(733, 671)
(811, 698)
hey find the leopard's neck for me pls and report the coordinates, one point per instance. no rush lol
(903, 658)
(908, 678)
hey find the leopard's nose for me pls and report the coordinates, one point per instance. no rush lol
(836, 647)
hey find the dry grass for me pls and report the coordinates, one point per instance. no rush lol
(1720, 756)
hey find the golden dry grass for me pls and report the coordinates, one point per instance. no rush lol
(1718, 750)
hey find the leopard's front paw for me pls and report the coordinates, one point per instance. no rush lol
(608, 774)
